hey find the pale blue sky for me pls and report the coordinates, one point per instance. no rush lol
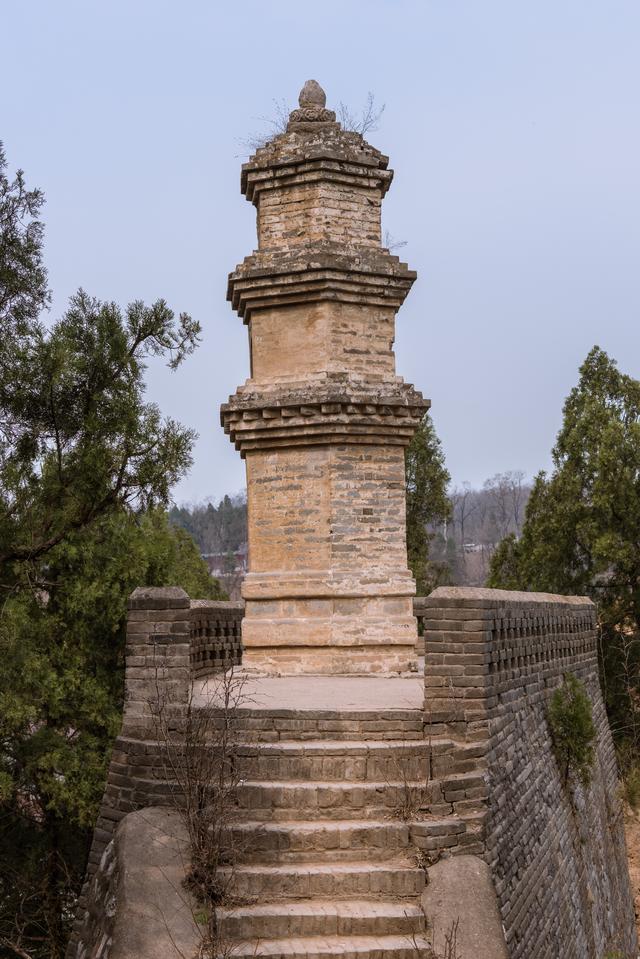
(514, 131)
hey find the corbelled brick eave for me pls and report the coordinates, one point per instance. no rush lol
(313, 275)
(326, 149)
(310, 418)
(318, 171)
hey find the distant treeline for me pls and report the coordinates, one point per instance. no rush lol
(480, 518)
(216, 529)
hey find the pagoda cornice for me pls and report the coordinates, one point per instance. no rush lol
(320, 165)
(316, 272)
(323, 413)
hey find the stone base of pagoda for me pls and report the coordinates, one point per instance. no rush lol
(342, 635)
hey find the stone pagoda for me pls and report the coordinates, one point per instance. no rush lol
(324, 420)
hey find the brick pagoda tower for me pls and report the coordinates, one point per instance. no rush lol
(323, 421)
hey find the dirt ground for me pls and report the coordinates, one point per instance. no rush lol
(632, 830)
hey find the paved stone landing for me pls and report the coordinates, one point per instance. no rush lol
(329, 693)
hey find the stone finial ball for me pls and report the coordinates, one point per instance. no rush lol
(312, 95)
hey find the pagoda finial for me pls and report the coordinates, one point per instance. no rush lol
(312, 95)
(312, 109)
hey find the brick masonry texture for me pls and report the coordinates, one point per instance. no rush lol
(558, 857)
(324, 419)
(171, 640)
(478, 759)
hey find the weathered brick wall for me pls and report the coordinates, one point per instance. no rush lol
(331, 519)
(171, 640)
(557, 854)
(326, 211)
(320, 339)
(420, 611)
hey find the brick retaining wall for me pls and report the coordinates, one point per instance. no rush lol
(557, 855)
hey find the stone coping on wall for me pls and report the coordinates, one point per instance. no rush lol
(484, 598)
(217, 605)
(158, 597)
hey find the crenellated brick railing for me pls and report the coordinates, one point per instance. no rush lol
(485, 644)
(216, 636)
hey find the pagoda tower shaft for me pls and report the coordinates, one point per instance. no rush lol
(323, 421)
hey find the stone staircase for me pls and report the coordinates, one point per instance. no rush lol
(328, 863)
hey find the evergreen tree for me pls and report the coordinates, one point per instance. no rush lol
(426, 478)
(216, 529)
(85, 463)
(61, 687)
(582, 526)
(23, 279)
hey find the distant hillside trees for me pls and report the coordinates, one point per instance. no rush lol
(582, 527)
(479, 520)
(220, 529)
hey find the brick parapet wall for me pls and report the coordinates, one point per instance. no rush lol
(557, 851)
(171, 640)
(483, 644)
(420, 611)
(158, 654)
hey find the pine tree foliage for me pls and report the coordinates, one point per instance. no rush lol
(217, 529)
(86, 465)
(573, 732)
(582, 527)
(24, 292)
(426, 479)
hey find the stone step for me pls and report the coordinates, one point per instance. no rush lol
(307, 880)
(330, 759)
(292, 800)
(348, 947)
(272, 725)
(326, 841)
(354, 917)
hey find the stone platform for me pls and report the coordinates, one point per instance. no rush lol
(320, 693)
